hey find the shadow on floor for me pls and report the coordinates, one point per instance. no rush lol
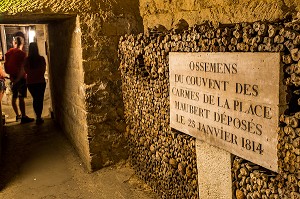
(39, 162)
(21, 142)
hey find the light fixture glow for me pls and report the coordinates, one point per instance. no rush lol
(31, 35)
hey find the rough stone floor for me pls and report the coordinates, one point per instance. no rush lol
(39, 163)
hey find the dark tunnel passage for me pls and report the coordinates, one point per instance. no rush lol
(53, 35)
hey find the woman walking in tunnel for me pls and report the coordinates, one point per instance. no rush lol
(35, 67)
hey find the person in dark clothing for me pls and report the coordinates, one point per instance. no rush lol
(35, 67)
(13, 65)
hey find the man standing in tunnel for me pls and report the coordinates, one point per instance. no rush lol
(14, 66)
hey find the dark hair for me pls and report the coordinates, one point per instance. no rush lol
(20, 34)
(33, 50)
(19, 41)
(33, 55)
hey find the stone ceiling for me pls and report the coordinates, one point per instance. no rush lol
(33, 18)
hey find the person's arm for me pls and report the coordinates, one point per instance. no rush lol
(6, 60)
(3, 74)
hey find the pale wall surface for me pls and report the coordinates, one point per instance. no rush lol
(214, 169)
(168, 13)
(67, 84)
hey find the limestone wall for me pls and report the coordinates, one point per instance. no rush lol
(168, 13)
(86, 92)
(66, 74)
(101, 30)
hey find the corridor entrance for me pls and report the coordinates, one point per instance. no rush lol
(31, 33)
(59, 41)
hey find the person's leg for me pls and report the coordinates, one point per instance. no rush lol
(2, 89)
(33, 91)
(1, 95)
(22, 95)
(14, 90)
(14, 105)
(37, 91)
(40, 89)
(22, 106)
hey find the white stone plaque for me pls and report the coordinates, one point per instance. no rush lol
(229, 100)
